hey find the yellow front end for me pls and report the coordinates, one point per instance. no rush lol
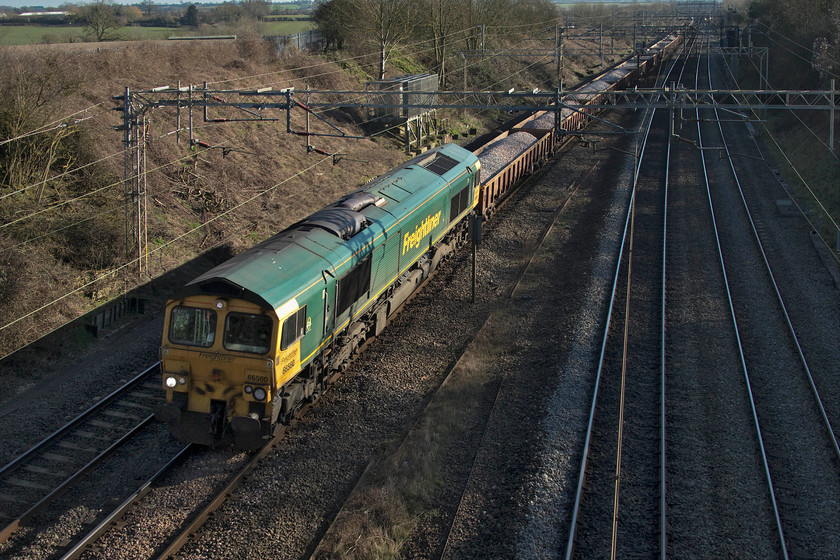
(219, 366)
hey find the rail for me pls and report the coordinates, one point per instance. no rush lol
(626, 241)
(754, 411)
(45, 488)
(80, 547)
(829, 428)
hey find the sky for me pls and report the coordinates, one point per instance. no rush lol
(53, 4)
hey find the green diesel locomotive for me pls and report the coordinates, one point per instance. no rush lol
(250, 341)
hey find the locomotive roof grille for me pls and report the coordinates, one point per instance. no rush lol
(439, 163)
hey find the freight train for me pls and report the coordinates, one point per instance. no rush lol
(246, 344)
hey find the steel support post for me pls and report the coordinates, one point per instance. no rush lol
(178, 115)
(308, 145)
(190, 111)
(128, 130)
(831, 120)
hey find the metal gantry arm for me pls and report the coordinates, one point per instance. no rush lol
(257, 105)
(638, 98)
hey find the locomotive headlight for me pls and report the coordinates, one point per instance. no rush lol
(248, 389)
(259, 394)
(182, 380)
(171, 382)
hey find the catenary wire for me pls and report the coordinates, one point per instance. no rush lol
(100, 189)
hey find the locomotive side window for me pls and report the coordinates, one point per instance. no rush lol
(247, 332)
(352, 286)
(293, 328)
(459, 203)
(192, 326)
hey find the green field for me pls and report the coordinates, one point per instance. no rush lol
(275, 28)
(36, 34)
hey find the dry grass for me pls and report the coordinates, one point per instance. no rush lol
(187, 187)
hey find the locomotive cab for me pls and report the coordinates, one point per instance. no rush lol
(218, 370)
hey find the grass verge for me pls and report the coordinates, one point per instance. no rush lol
(398, 489)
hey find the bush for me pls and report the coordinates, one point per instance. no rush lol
(92, 245)
(11, 264)
(30, 92)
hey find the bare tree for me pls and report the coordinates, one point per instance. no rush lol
(99, 18)
(255, 9)
(148, 7)
(391, 22)
(330, 19)
(29, 95)
(383, 22)
(442, 19)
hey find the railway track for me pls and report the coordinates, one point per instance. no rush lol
(796, 439)
(40, 475)
(620, 499)
(86, 542)
(716, 498)
(733, 471)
